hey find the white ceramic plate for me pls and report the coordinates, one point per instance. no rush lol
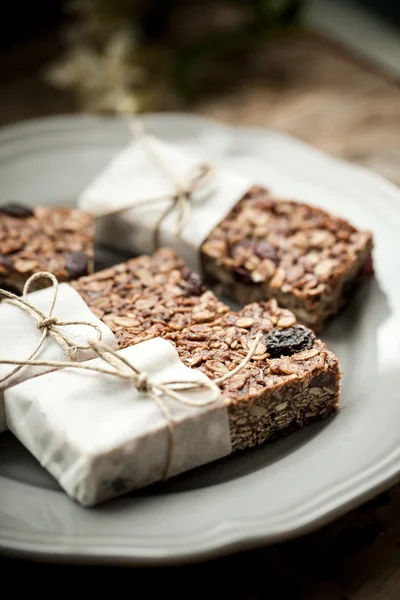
(270, 493)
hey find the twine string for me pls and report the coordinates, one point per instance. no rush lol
(48, 325)
(197, 178)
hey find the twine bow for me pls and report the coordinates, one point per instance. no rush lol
(48, 325)
(122, 368)
(196, 179)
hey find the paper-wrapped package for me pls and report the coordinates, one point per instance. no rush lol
(149, 169)
(19, 335)
(100, 437)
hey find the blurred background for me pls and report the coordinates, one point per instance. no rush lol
(323, 70)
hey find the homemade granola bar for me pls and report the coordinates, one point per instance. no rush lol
(55, 239)
(306, 258)
(291, 380)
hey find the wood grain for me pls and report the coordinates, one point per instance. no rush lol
(305, 86)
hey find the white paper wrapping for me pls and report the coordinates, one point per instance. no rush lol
(100, 437)
(133, 177)
(19, 334)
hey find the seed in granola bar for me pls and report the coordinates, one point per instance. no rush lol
(77, 264)
(285, 342)
(17, 210)
(6, 262)
(195, 286)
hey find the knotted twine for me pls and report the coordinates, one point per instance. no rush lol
(122, 368)
(196, 179)
(48, 325)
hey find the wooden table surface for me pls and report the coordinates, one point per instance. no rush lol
(314, 90)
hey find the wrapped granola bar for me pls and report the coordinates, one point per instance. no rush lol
(102, 435)
(21, 332)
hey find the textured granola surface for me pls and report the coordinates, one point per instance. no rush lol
(305, 257)
(149, 296)
(55, 239)
(292, 378)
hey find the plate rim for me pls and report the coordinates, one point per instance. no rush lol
(232, 535)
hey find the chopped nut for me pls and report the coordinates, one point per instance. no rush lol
(245, 322)
(286, 320)
(24, 265)
(278, 279)
(325, 268)
(261, 349)
(203, 315)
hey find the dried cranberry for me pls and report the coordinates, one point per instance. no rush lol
(17, 210)
(6, 262)
(77, 264)
(285, 342)
(195, 286)
(242, 275)
(264, 249)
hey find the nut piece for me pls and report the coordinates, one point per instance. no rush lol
(245, 322)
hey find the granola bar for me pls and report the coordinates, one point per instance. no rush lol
(306, 258)
(55, 239)
(292, 379)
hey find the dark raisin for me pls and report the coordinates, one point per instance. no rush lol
(264, 249)
(195, 286)
(77, 264)
(242, 275)
(285, 342)
(6, 262)
(14, 209)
